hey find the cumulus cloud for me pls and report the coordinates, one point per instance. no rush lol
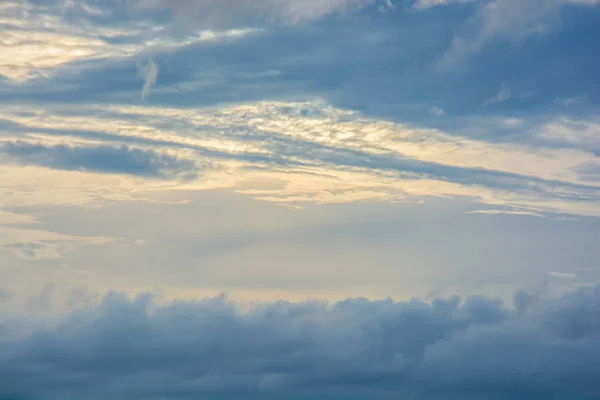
(138, 348)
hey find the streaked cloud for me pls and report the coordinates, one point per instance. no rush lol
(562, 275)
(33, 244)
(505, 212)
(149, 73)
(284, 149)
(103, 159)
(503, 95)
(319, 153)
(9, 218)
(505, 21)
(228, 11)
(425, 4)
(30, 53)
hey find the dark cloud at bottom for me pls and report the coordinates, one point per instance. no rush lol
(138, 348)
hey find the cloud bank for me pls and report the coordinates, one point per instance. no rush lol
(138, 348)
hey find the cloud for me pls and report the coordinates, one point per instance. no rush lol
(436, 111)
(583, 134)
(149, 72)
(506, 212)
(503, 95)
(31, 53)
(505, 21)
(9, 218)
(232, 11)
(425, 4)
(104, 159)
(562, 275)
(318, 152)
(139, 348)
(34, 244)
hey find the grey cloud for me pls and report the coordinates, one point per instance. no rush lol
(105, 159)
(137, 348)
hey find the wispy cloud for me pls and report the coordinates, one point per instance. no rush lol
(563, 275)
(505, 21)
(310, 146)
(436, 111)
(9, 218)
(104, 159)
(286, 11)
(503, 95)
(506, 212)
(36, 244)
(149, 73)
(30, 53)
(425, 4)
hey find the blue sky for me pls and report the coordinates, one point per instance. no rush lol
(316, 155)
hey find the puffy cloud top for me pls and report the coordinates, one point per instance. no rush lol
(138, 348)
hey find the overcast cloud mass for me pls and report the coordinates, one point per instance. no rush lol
(212, 198)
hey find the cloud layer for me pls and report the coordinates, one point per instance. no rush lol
(138, 348)
(103, 159)
(286, 11)
(318, 153)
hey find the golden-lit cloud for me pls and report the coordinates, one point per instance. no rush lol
(293, 153)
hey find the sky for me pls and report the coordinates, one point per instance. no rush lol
(289, 199)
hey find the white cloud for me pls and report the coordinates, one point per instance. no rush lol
(436, 111)
(503, 95)
(505, 20)
(506, 212)
(286, 11)
(425, 4)
(149, 73)
(585, 134)
(29, 52)
(562, 275)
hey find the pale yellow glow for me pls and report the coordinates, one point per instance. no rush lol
(30, 52)
(183, 132)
